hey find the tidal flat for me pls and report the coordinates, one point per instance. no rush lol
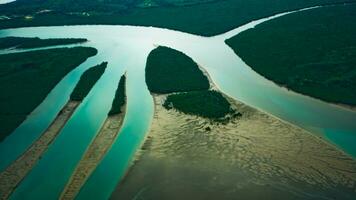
(253, 156)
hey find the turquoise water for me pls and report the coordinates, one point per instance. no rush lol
(6, 1)
(139, 109)
(41, 117)
(61, 158)
(126, 49)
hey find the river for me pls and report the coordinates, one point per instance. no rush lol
(126, 49)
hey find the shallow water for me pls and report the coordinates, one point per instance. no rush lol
(6, 1)
(126, 49)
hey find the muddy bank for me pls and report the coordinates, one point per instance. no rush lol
(94, 154)
(255, 156)
(14, 174)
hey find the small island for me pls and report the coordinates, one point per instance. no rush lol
(205, 103)
(176, 75)
(120, 98)
(87, 81)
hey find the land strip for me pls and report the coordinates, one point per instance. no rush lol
(14, 174)
(17, 171)
(100, 145)
(20, 92)
(26, 43)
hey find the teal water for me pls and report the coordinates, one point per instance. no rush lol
(37, 122)
(126, 48)
(139, 109)
(6, 1)
(61, 158)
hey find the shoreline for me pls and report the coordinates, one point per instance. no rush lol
(316, 135)
(94, 153)
(286, 89)
(293, 163)
(12, 176)
(151, 149)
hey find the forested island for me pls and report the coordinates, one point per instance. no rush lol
(205, 103)
(311, 52)
(87, 81)
(168, 71)
(171, 72)
(120, 97)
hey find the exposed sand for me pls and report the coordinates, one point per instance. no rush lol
(256, 156)
(14, 174)
(94, 154)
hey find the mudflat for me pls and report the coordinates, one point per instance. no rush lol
(251, 157)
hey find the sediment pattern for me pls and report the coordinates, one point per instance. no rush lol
(190, 157)
(93, 155)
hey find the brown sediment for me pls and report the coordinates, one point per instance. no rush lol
(94, 154)
(184, 159)
(345, 106)
(13, 174)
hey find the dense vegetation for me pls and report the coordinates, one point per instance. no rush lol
(168, 70)
(312, 52)
(205, 103)
(25, 43)
(87, 81)
(120, 97)
(204, 17)
(33, 6)
(27, 78)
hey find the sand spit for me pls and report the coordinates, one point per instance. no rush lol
(14, 174)
(255, 156)
(94, 154)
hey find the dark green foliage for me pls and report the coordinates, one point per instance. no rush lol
(25, 43)
(168, 70)
(204, 17)
(120, 97)
(33, 6)
(9, 42)
(87, 81)
(26, 79)
(182, 2)
(311, 52)
(206, 103)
